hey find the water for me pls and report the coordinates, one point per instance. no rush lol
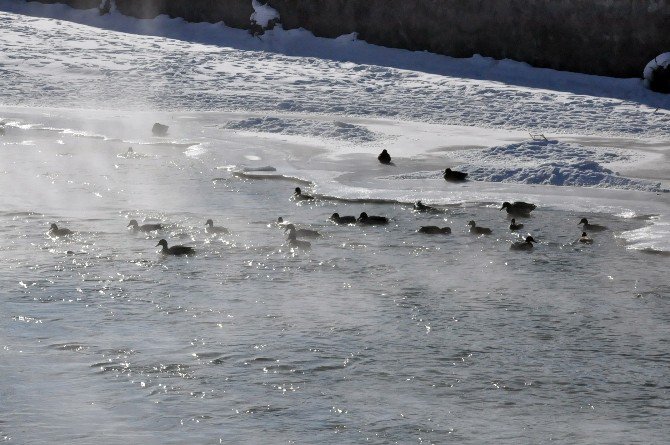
(377, 335)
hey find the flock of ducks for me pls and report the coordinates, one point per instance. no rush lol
(516, 209)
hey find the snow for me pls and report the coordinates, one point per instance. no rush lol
(660, 60)
(263, 13)
(341, 100)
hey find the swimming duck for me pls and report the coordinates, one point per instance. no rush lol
(585, 239)
(301, 196)
(296, 243)
(434, 230)
(372, 220)
(211, 228)
(454, 176)
(518, 208)
(514, 226)
(280, 220)
(144, 227)
(591, 227)
(307, 233)
(175, 250)
(384, 157)
(479, 230)
(421, 207)
(337, 219)
(55, 231)
(527, 244)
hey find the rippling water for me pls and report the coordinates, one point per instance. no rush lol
(376, 335)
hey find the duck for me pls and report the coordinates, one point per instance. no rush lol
(211, 228)
(280, 221)
(518, 208)
(454, 176)
(298, 194)
(337, 219)
(372, 220)
(479, 230)
(421, 207)
(144, 227)
(434, 230)
(527, 244)
(584, 239)
(514, 226)
(55, 231)
(175, 250)
(307, 233)
(591, 227)
(384, 157)
(295, 243)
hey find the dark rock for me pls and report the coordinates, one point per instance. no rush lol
(159, 129)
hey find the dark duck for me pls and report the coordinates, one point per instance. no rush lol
(591, 227)
(514, 226)
(434, 230)
(55, 231)
(584, 239)
(306, 233)
(475, 229)
(175, 250)
(372, 220)
(384, 157)
(295, 243)
(337, 219)
(211, 228)
(526, 244)
(421, 207)
(518, 208)
(144, 227)
(454, 176)
(299, 195)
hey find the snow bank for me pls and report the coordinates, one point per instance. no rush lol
(579, 174)
(339, 131)
(263, 14)
(545, 163)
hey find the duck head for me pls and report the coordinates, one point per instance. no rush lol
(335, 216)
(280, 220)
(162, 243)
(583, 221)
(132, 223)
(472, 223)
(513, 220)
(298, 191)
(289, 227)
(505, 205)
(53, 227)
(530, 239)
(209, 223)
(363, 216)
(584, 235)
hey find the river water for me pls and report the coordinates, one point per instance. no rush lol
(376, 334)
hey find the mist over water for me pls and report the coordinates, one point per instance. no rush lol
(376, 334)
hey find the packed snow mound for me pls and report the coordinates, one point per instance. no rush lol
(544, 163)
(340, 131)
(551, 163)
(263, 14)
(577, 174)
(533, 152)
(657, 74)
